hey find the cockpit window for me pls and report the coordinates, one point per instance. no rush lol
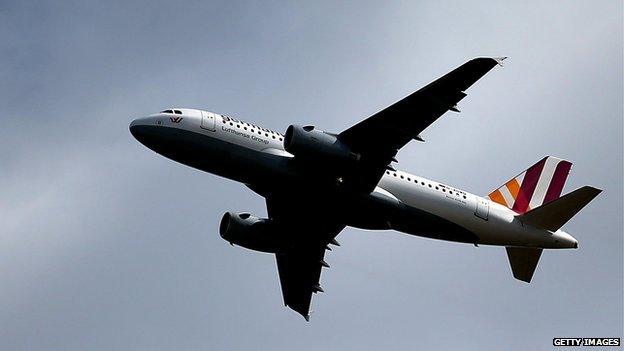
(177, 112)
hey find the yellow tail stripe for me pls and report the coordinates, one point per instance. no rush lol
(496, 196)
(514, 187)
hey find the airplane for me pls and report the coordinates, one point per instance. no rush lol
(316, 183)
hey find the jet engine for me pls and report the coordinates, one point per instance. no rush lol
(251, 232)
(310, 143)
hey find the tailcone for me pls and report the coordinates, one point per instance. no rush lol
(565, 240)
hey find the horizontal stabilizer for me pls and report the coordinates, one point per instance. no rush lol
(556, 213)
(523, 261)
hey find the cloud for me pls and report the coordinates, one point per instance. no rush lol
(107, 245)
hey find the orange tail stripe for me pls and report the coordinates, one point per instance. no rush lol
(514, 187)
(496, 196)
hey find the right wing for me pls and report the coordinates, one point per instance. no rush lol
(299, 267)
(300, 273)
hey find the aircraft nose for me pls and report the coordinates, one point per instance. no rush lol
(136, 127)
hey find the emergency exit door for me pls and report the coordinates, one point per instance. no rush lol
(483, 208)
(208, 121)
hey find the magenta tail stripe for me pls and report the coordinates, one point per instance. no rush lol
(558, 181)
(529, 183)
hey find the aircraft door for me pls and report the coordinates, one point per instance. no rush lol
(208, 121)
(483, 208)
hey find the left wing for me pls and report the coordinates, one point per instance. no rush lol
(300, 266)
(396, 125)
(378, 138)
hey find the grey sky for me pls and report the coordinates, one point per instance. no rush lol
(107, 245)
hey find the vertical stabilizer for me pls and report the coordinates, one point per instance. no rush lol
(538, 185)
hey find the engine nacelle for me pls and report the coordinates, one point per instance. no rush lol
(250, 232)
(310, 143)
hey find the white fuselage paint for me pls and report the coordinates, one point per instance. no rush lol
(493, 223)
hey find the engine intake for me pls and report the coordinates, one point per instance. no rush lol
(250, 232)
(310, 143)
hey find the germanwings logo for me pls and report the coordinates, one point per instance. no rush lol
(537, 186)
(176, 119)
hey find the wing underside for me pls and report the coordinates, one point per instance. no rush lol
(378, 138)
(300, 266)
(300, 273)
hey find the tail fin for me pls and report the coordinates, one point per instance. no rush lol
(555, 214)
(538, 185)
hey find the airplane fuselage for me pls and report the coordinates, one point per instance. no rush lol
(401, 201)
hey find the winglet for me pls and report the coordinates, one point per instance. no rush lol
(499, 60)
(307, 316)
